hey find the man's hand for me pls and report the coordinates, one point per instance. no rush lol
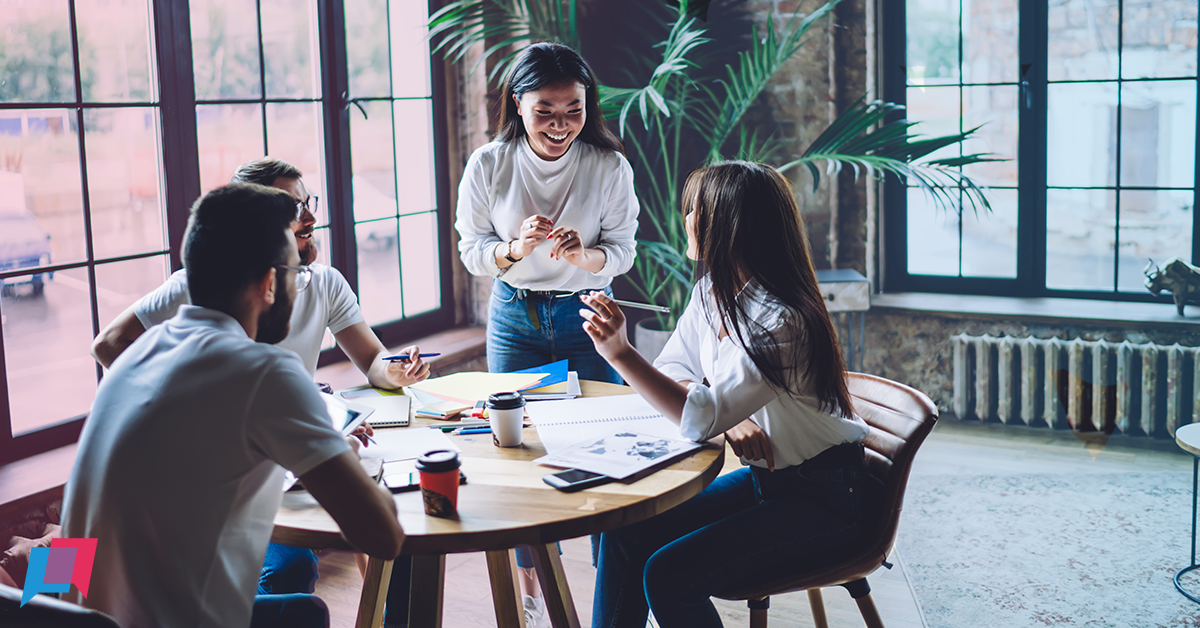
(749, 441)
(410, 371)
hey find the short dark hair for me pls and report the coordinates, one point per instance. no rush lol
(234, 235)
(264, 171)
(546, 63)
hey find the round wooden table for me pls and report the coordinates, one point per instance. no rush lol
(1188, 439)
(504, 504)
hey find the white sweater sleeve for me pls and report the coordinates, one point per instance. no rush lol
(477, 235)
(618, 222)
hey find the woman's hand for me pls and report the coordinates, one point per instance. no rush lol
(567, 245)
(749, 441)
(410, 371)
(534, 230)
(605, 326)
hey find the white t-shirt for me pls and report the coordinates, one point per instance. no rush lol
(328, 302)
(798, 427)
(178, 472)
(589, 189)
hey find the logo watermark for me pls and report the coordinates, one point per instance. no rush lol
(54, 569)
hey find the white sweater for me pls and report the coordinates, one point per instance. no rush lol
(589, 189)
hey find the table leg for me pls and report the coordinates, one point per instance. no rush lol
(1193, 566)
(425, 594)
(374, 593)
(506, 590)
(555, 590)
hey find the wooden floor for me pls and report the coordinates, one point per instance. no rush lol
(952, 448)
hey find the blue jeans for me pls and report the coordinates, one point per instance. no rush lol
(293, 570)
(747, 525)
(513, 343)
(295, 610)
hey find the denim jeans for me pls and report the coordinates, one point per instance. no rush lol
(513, 343)
(293, 570)
(747, 525)
(295, 610)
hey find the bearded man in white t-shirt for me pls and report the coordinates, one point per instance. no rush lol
(328, 303)
(180, 466)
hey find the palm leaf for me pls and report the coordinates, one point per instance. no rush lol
(461, 24)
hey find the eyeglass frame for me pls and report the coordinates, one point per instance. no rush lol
(301, 271)
(310, 204)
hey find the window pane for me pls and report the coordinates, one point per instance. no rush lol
(938, 110)
(35, 52)
(289, 31)
(1157, 225)
(295, 135)
(932, 236)
(367, 48)
(44, 196)
(229, 136)
(990, 41)
(410, 49)
(225, 49)
(1079, 239)
(1083, 40)
(47, 343)
(373, 157)
(1081, 139)
(120, 284)
(1159, 39)
(419, 261)
(114, 50)
(932, 41)
(990, 238)
(1158, 134)
(378, 272)
(995, 108)
(124, 181)
(414, 154)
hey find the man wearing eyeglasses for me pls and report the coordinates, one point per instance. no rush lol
(327, 303)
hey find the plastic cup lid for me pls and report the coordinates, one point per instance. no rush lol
(506, 401)
(438, 460)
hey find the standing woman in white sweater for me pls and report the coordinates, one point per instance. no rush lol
(547, 209)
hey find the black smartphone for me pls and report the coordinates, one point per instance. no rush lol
(574, 480)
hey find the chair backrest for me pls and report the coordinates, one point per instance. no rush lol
(47, 612)
(900, 418)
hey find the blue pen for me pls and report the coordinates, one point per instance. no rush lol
(474, 430)
(394, 358)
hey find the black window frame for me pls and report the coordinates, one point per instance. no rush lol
(1030, 281)
(170, 23)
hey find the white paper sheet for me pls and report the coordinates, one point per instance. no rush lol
(561, 424)
(405, 443)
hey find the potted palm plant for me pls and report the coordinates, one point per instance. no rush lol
(683, 116)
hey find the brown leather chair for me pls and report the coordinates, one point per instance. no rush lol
(44, 611)
(900, 418)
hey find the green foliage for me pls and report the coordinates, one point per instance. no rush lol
(681, 117)
(36, 64)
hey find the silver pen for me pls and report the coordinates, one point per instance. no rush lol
(642, 306)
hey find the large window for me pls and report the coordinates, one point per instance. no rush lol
(106, 138)
(1094, 105)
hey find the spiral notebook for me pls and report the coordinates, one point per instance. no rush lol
(561, 424)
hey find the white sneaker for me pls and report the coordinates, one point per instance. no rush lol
(535, 612)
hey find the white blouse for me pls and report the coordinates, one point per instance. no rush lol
(799, 429)
(589, 189)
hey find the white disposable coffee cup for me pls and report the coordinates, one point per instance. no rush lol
(506, 413)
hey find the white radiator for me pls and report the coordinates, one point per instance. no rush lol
(1142, 390)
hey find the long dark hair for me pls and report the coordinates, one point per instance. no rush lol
(748, 225)
(546, 63)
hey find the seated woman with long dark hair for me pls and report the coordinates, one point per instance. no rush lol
(754, 357)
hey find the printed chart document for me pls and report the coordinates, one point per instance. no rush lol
(617, 436)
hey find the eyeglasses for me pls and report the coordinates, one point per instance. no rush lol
(309, 205)
(303, 275)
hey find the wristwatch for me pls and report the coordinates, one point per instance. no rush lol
(508, 254)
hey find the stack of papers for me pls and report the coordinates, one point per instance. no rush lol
(469, 387)
(431, 407)
(563, 390)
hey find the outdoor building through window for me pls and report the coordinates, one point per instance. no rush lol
(96, 182)
(1093, 103)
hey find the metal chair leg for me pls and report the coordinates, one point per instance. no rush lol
(817, 603)
(758, 612)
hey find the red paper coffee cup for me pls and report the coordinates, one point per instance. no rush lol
(439, 482)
